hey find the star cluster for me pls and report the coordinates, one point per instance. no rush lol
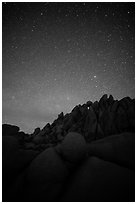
(58, 55)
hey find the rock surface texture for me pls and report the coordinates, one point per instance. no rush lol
(87, 155)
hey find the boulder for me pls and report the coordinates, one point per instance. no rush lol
(116, 148)
(103, 102)
(59, 129)
(14, 161)
(15, 192)
(46, 129)
(40, 139)
(107, 122)
(89, 103)
(28, 138)
(61, 116)
(59, 132)
(76, 114)
(110, 100)
(125, 103)
(21, 135)
(100, 181)
(68, 122)
(121, 120)
(60, 137)
(36, 131)
(46, 175)
(90, 125)
(83, 109)
(131, 117)
(29, 145)
(99, 133)
(115, 106)
(95, 107)
(73, 147)
(9, 130)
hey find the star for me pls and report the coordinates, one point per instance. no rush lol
(75, 53)
(13, 97)
(68, 98)
(55, 47)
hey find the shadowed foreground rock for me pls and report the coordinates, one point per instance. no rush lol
(86, 155)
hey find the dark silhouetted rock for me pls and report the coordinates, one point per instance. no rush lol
(9, 130)
(46, 129)
(95, 106)
(107, 122)
(110, 100)
(131, 116)
(89, 103)
(121, 120)
(36, 131)
(99, 132)
(14, 162)
(103, 101)
(126, 102)
(61, 116)
(40, 138)
(100, 181)
(29, 145)
(46, 176)
(116, 148)
(90, 125)
(59, 132)
(73, 147)
(86, 155)
(114, 106)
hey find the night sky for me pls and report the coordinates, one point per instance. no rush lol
(58, 55)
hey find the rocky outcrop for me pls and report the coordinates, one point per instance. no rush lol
(94, 120)
(119, 149)
(73, 147)
(9, 130)
(100, 181)
(45, 176)
(85, 155)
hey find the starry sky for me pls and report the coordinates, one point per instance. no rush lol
(58, 55)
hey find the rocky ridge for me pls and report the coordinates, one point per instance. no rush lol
(87, 150)
(92, 120)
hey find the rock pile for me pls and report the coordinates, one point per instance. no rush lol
(92, 120)
(76, 158)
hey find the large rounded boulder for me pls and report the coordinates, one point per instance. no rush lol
(97, 180)
(14, 161)
(46, 175)
(73, 147)
(119, 149)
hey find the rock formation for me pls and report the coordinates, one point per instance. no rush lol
(85, 155)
